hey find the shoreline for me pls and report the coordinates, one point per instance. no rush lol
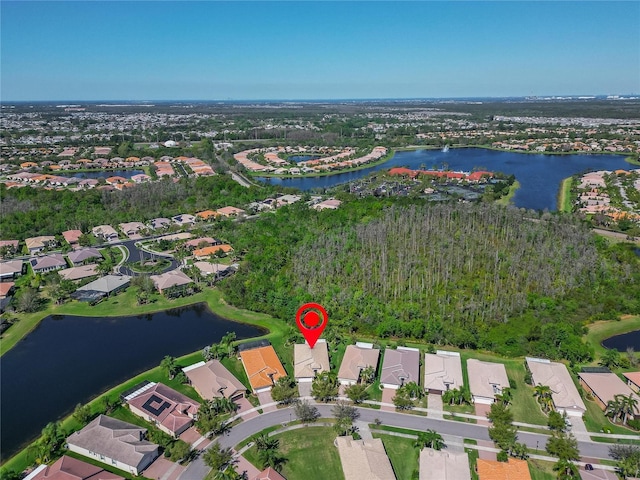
(564, 196)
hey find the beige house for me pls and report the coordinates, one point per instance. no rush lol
(170, 279)
(116, 443)
(212, 380)
(400, 367)
(364, 459)
(307, 362)
(105, 232)
(554, 375)
(444, 465)
(68, 468)
(486, 380)
(37, 244)
(604, 387)
(633, 380)
(442, 372)
(356, 358)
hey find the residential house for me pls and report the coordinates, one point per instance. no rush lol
(263, 367)
(6, 289)
(486, 380)
(78, 257)
(184, 220)
(206, 252)
(10, 270)
(132, 229)
(268, 474)
(212, 380)
(512, 469)
(442, 372)
(115, 443)
(69, 468)
(217, 269)
(564, 394)
(38, 244)
(72, 237)
(400, 367)
(604, 387)
(102, 287)
(330, 204)
(170, 279)
(10, 246)
(230, 212)
(633, 380)
(364, 459)
(444, 465)
(48, 263)
(307, 362)
(201, 242)
(207, 214)
(105, 232)
(159, 223)
(78, 273)
(169, 410)
(356, 358)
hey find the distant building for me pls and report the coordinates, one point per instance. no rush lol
(77, 257)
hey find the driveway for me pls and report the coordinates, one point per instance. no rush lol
(245, 406)
(481, 411)
(434, 403)
(163, 469)
(387, 397)
(265, 399)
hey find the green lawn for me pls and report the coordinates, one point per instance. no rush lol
(600, 331)
(595, 420)
(541, 470)
(403, 455)
(299, 446)
(473, 457)
(508, 198)
(564, 196)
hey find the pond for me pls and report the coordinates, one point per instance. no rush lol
(624, 341)
(539, 175)
(68, 360)
(95, 174)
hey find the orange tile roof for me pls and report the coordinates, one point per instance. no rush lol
(633, 376)
(511, 470)
(262, 364)
(207, 214)
(203, 252)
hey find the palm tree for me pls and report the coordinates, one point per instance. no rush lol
(264, 442)
(505, 397)
(566, 469)
(414, 390)
(449, 396)
(614, 408)
(429, 439)
(628, 406)
(227, 342)
(543, 392)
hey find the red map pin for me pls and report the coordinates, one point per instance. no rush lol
(311, 326)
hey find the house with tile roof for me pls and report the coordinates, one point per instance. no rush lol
(512, 469)
(69, 468)
(115, 443)
(170, 279)
(633, 380)
(603, 387)
(269, 474)
(78, 257)
(263, 367)
(486, 380)
(564, 394)
(399, 367)
(203, 253)
(169, 410)
(72, 237)
(105, 232)
(356, 358)
(307, 362)
(48, 263)
(230, 211)
(364, 459)
(442, 372)
(80, 272)
(10, 270)
(37, 244)
(444, 465)
(212, 380)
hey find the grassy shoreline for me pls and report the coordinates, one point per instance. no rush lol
(508, 198)
(564, 195)
(603, 329)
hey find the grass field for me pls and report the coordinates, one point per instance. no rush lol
(298, 446)
(564, 196)
(541, 470)
(600, 331)
(508, 198)
(403, 455)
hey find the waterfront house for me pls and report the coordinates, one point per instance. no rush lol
(364, 459)
(169, 410)
(400, 367)
(486, 380)
(356, 358)
(444, 465)
(171, 279)
(116, 443)
(212, 380)
(603, 387)
(69, 468)
(48, 263)
(307, 362)
(263, 367)
(442, 372)
(80, 272)
(564, 393)
(102, 287)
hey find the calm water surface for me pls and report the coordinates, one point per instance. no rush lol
(68, 360)
(539, 175)
(102, 174)
(624, 341)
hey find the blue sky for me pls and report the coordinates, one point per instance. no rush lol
(316, 50)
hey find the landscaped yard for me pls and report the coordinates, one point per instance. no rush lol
(301, 445)
(403, 455)
(541, 470)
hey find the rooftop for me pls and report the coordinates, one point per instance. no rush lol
(364, 459)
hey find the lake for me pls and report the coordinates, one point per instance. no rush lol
(622, 342)
(68, 360)
(539, 175)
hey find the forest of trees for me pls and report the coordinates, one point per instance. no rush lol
(475, 276)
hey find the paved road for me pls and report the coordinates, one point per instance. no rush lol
(134, 256)
(197, 470)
